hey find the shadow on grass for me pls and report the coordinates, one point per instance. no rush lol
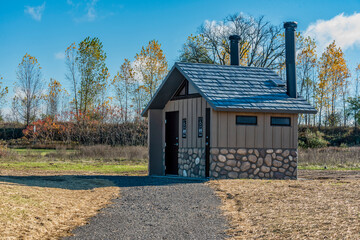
(88, 182)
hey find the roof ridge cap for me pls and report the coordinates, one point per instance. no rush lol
(219, 65)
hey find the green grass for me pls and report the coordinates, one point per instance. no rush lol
(42, 152)
(76, 167)
(336, 168)
(98, 160)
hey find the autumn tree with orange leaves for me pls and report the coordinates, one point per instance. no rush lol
(150, 67)
(28, 89)
(53, 97)
(333, 74)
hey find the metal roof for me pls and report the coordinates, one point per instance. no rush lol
(231, 88)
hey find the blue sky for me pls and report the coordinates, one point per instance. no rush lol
(45, 28)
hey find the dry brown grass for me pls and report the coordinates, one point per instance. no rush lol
(106, 151)
(103, 152)
(331, 157)
(308, 209)
(49, 207)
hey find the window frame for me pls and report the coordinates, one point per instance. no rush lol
(280, 125)
(246, 124)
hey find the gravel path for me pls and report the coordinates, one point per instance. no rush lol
(158, 208)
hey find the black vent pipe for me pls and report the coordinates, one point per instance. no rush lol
(234, 50)
(290, 53)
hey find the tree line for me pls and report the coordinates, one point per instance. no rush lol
(324, 78)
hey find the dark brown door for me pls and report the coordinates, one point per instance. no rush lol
(172, 142)
(207, 143)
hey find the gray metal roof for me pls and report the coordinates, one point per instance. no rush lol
(232, 88)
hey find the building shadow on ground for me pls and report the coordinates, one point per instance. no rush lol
(88, 182)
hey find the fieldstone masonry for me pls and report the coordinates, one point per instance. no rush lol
(253, 163)
(191, 162)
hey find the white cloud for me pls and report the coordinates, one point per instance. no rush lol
(83, 10)
(59, 55)
(35, 12)
(91, 12)
(345, 30)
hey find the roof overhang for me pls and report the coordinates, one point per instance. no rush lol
(244, 110)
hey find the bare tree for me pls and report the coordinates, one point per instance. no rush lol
(306, 66)
(72, 75)
(261, 43)
(124, 85)
(3, 92)
(28, 89)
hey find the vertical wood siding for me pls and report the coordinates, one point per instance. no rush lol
(191, 109)
(225, 132)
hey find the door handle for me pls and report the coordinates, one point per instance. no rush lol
(176, 144)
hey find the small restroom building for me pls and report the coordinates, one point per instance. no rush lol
(218, 121)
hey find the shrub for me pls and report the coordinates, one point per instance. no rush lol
(309, 139)
(89, 132)
(335, 136)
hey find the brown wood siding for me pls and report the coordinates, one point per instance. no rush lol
(214, 128)
(194, 124)
(230, 131)
(225, 132)
(223, 128)
(191, 109)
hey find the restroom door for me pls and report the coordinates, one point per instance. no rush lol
(207, 143)
(172, 142)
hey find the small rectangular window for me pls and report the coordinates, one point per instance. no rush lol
(280, 121)
(200, 127)
(184, 128)
(246, 120)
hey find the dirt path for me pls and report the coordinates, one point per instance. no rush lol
(158, 208)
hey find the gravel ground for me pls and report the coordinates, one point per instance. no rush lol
(158, 208)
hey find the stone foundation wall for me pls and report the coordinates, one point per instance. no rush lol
(191, 162)
(253, 163)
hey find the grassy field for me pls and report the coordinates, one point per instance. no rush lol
(45, 193)
(324, 206)
(138, 168)
(49, 208)
(42, 152)
(331, 158)
(94, 159)
(308, 209)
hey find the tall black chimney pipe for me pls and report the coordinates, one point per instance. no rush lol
(234, 50)
(290, 53)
